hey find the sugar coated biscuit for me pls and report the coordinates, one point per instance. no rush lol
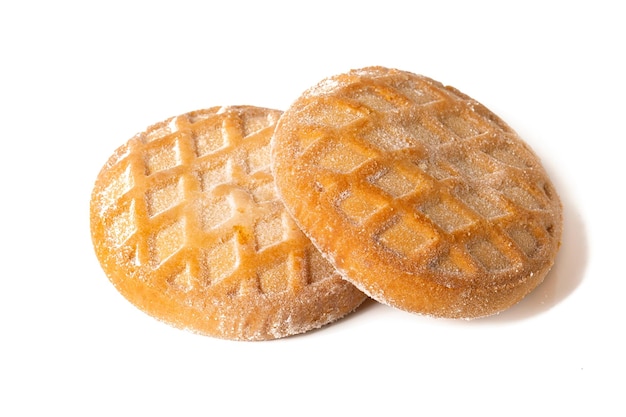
(187, 225)
(418, 194)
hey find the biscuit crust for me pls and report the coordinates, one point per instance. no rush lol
(187, 225)
(416, 193)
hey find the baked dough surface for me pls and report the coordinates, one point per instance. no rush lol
(418, 194)
(187, 225)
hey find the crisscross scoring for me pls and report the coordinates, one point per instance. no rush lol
(421, 172)
(191, 205)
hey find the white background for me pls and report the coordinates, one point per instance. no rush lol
(77, 79)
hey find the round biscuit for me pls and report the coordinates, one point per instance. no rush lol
(186, 223)
(418, 194)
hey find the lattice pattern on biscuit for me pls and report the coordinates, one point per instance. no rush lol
(220, 260)
(213, 174)
(269, 231)
(182, 281)
(165, 242)
(119, 185)
(199, 185)
(317, 115)
(209, 138)
(398, 182)
(486, 206)
(358, 206)
(275, 278)
(460, 156)
(342, 157)
(122, 224)
(406, 237)
(163, 196)
(448, 214)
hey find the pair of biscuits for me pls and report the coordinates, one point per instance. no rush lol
(248, 224)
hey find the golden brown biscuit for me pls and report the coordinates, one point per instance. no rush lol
(418, 194)
(186, 223)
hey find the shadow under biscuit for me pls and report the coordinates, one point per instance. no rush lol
(367, 307)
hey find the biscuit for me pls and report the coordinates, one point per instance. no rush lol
(186, 223)
(417, 194)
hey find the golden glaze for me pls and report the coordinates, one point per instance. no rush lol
(186, 223)
(418, 194)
